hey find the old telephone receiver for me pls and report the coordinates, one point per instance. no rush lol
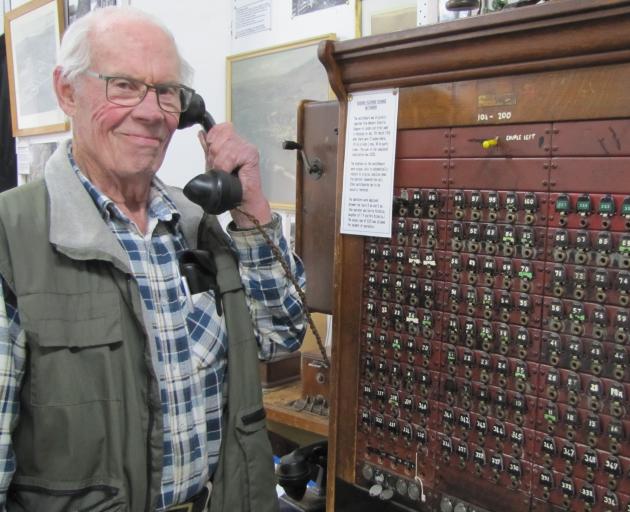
(300, 466)
(215, 191)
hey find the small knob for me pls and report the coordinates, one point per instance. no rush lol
(446, 505)
(461, 507)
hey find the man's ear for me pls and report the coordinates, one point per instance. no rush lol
(65, 91)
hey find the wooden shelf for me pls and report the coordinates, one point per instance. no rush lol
(276, 404)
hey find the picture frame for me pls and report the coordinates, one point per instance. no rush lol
(33, 34)
(384, 16)
(283, 75)
(301, 7)
(74, 9)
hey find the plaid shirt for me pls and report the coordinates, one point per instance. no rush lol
(189, 338)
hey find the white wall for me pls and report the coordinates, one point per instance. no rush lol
(202, 29)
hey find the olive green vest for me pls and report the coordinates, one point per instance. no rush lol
(89, 434)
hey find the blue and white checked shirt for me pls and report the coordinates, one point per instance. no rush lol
(189, 345)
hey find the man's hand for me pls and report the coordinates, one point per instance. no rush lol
(226, 150)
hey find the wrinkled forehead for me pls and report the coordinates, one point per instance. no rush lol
(134, 47)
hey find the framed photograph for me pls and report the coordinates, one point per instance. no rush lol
(383, 16)
(264, 90)
(35, 154)
(74, 9)
(300, 7)
(33, 32)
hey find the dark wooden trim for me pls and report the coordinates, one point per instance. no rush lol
(558, 35)
(299, 180)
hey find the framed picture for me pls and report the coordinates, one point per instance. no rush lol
(33, 32)
(300, 7)
(383, 16)
(74, 9)
(264, 90)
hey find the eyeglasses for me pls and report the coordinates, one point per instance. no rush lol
(129, 92)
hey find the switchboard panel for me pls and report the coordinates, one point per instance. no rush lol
(481, 354)
(495, 320)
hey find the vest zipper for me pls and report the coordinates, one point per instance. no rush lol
(149, 459)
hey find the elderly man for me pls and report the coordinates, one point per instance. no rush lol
(120, 391)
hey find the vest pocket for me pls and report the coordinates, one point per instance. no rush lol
(254, 441)
(34, 496)
(76, 352)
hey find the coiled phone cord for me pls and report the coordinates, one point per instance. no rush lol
(278, 255)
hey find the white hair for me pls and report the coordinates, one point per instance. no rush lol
(75, 52)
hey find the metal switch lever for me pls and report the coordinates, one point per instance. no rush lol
(315, 169)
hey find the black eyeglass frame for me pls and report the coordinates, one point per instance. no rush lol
(186, 93)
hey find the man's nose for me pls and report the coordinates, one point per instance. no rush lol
(149, 107)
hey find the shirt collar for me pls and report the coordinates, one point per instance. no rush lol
(161, 206)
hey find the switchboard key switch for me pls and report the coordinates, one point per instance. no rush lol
(433, 203)
(553, 383)
(576, 353)
(583, 245)
(617, 398)
(527, 242)
(417, 203)
(400, 257)
(402, 202)
(595, 390)
(546, 481)
(572, 422)
(606, 210)
(554, 348)
(459, 203)
(622, 324)
(558, 280)
(584, 207)
(476, 204)
(416, 232)
(493, 205)
(432, 234)
(550, 415)
(508, 240)
(563, 208)
(574, 388)
(579, 282)
(625, 211)
(601, 280)
(486, 334)
(530, 205)
(589, 496)
(511, 205)
(556, 315)
(560, 245)
(603, 244)
(620, 361)
(599, 319)
(457, 235)
(594, 429)
(577, 316)
(615, 434)
(473, 237)
(624, 251)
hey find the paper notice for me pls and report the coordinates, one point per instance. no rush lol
(368, 175)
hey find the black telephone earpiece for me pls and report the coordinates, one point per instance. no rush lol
(215, 191)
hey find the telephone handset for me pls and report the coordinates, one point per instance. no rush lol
(215, 191)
